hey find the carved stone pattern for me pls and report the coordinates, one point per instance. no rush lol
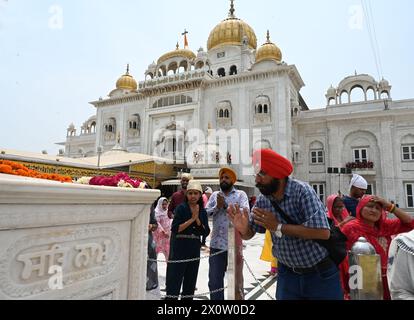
(262, 118)
(107, 291)
(139, 243)
(109, 136)
(22, 291)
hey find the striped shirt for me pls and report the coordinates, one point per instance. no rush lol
(302, 205)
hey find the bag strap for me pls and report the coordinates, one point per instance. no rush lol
(282, 213)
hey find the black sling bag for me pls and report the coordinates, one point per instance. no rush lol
(336, 244)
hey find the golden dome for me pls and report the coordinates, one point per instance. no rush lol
(127, 82)
(184, 53)
(231, 32)
(268, 51)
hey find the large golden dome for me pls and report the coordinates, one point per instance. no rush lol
(184, 53)
(231, 32)
(269, 51)
(127, 82)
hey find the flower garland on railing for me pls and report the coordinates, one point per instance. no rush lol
(121, 180)
(17, 169)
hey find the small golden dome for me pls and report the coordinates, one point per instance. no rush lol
(183, 53)
(268, 51)
(231, 32)
(127, 82)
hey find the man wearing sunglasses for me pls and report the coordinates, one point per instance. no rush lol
(295, 216)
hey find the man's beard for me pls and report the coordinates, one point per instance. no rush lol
(269, 189)
(225, 186)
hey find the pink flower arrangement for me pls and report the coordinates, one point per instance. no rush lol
(120, 180)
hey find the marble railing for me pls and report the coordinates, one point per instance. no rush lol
(64, 241)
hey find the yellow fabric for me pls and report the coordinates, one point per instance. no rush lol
(267, 250)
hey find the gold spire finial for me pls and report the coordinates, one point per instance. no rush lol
(232, 10)
(127, 71)
(268, 36)
(177, 46)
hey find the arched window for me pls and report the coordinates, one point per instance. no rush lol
(332, 102)
(344, 97)
(171, 101)
(233, 70)
(265, 109)
(227, 114)
(221, 114)
(317, 153)
(357, 94)
(385, 95)
(93, 127)
(260, 109)
(200, 65)
(162, 72)
(221, 72)
(371, 94)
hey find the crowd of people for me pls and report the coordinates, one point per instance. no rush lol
(296, 224)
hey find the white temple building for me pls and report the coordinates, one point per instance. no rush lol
(238, 85)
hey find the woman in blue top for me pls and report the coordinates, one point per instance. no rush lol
(189, 224)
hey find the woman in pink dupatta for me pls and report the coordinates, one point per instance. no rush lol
(163, 233)
(372, 224)
(338, 213)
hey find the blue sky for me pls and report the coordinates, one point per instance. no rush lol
(56, 56)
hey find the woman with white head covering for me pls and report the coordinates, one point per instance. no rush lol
(163, 233)
(189, 225)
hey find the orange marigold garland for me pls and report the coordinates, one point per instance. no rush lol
(17, 169)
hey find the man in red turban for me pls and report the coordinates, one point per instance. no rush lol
(269, 163)
(296, 218)
(272, 163)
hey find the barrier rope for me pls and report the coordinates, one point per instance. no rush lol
(194, 296)
(215, 291)
(189, 260)
(257, 281)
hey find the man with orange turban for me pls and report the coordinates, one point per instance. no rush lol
(216, 207)
(293, 213)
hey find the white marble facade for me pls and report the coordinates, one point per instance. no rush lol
(236, 84)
